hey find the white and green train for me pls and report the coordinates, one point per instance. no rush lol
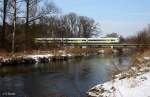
(78, 40)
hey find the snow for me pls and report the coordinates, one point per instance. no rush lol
(47, 56)
(147, 58)
(137, 85)
(37, 57)
(129, 87)
(64, 55)
(101, 51)
(6, 59)
(69, 55)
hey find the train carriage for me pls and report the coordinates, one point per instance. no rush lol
(78, 40)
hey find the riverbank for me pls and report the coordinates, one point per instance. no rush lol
(75, 75)
(132, 83)
(38, 56)
(33, 58)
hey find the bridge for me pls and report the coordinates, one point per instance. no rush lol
(118, 45)
(92, 42)
(101, 45)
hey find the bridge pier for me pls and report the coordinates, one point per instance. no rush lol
(111, 47)
(120, 51)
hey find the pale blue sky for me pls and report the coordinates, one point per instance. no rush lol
(123, 16)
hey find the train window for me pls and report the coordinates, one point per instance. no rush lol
(95, 40)
(112, 40)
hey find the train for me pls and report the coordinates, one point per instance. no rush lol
(78, 40)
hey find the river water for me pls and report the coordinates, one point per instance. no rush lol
(70, 78)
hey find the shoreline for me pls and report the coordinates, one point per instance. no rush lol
(34, 59)
(130, 83)
(47, 56)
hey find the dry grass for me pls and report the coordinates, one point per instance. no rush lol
(138, 57)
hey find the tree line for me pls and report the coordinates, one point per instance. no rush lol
(142, 37)
(23, 20)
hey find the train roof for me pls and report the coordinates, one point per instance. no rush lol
(80, 38)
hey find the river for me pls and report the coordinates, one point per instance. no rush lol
(71, 78)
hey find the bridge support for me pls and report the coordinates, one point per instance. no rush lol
(112, 47)
(120, 51)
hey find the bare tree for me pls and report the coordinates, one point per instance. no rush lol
(33, 12)
(73, 22)
(14, 26)
(142, 37)
(4, 14)
(71, 25)
(67, 32)
(88, 27)
(113, 35)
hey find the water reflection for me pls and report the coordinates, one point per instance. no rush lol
(70, 78)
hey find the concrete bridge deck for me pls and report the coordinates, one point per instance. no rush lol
(117, 45)
(111, 45)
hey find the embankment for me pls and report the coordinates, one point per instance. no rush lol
(132, 83)
(39, 56)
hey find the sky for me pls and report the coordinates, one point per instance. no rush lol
(125, 17)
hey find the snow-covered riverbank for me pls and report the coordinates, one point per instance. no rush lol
(132, 83)
(129, 87)
(32, 59)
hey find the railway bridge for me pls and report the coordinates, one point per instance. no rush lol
(89, 42)
(109, 45)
